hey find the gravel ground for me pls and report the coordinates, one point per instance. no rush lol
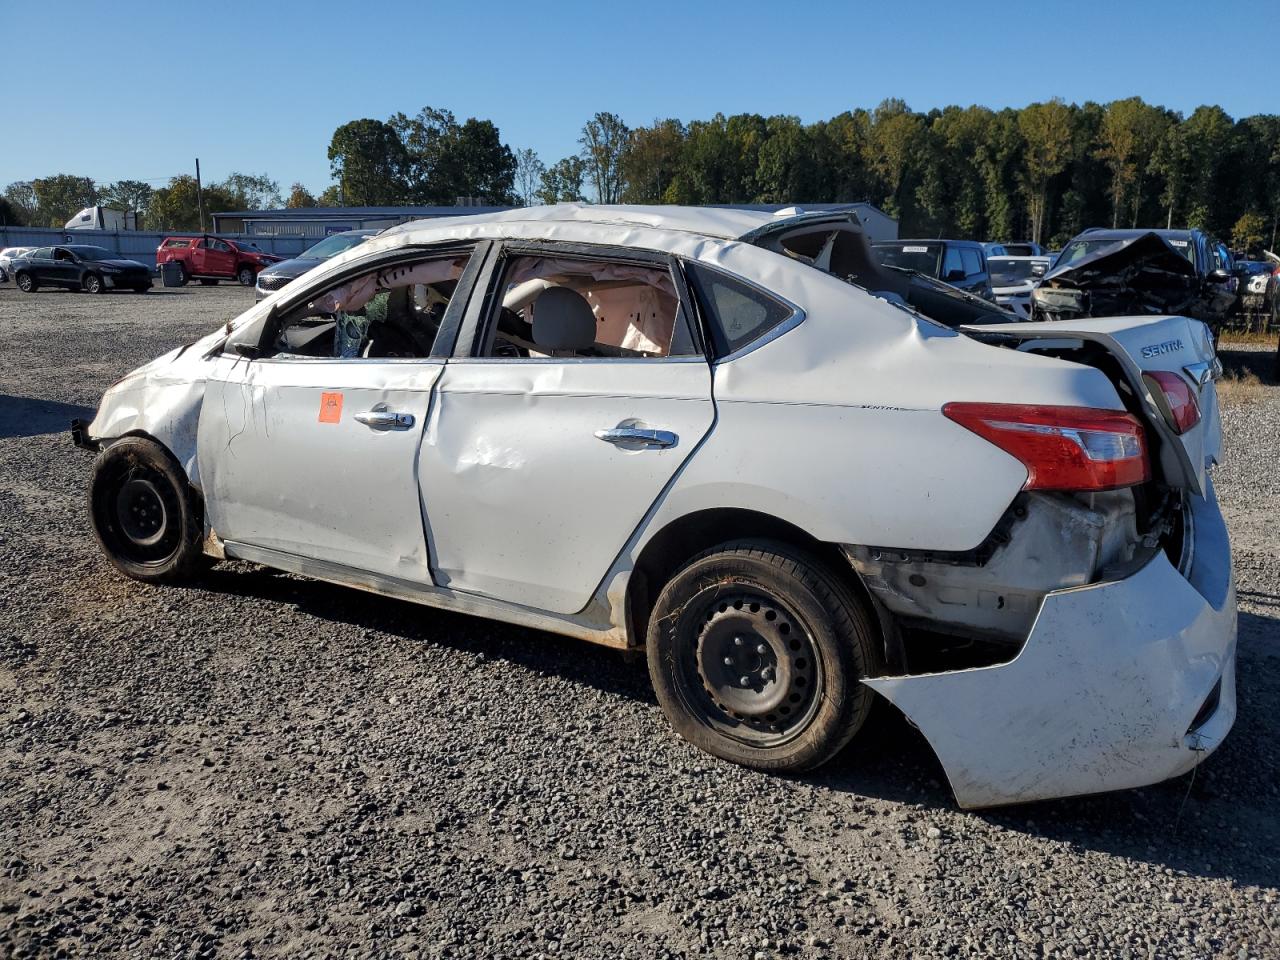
(260, 765)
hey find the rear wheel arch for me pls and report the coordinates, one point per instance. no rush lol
(688, 536)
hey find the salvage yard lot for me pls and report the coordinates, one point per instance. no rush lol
(262, 765)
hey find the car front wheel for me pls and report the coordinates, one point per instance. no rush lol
(245, 276)
(92, 283)
(756, 652)
(144, 514)
(27, 283)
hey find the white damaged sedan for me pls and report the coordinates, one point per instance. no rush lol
(798, 479)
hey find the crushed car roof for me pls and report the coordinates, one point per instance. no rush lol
(705, 221)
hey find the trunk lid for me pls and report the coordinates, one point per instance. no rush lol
(1177, 345)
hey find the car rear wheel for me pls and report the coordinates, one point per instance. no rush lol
(92, 283)
(26, 282)
(144, 514)
(245, 276)
(208, 282)
(756, 651)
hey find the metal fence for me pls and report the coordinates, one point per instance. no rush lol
(137, 245)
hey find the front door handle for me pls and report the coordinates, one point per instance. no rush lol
(638, 436)
(386, 420)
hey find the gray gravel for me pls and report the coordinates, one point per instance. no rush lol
(265, 766)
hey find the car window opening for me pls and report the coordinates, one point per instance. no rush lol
(561, 307)
(390, 313)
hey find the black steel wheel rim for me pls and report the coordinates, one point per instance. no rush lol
(747, 666)
(143, 515)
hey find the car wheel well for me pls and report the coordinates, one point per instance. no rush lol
(683, 539)
(197, 494)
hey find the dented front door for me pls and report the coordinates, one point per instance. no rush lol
(316, 458)
(535, 473)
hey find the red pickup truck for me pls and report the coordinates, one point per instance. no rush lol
(210, 259)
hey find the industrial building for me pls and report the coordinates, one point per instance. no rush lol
(318, 222)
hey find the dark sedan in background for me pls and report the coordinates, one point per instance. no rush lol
(960, 263)
(78, 266)
(277, 275)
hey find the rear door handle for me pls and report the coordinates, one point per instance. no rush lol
(638, 436)
(386, 420)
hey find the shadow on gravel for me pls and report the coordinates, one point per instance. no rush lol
(30, 417)
(546, 653)
(1222, 820)
(1259, 362)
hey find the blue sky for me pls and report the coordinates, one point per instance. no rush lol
(135, 91)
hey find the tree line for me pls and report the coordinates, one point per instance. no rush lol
(1043, 172)
(52, 201)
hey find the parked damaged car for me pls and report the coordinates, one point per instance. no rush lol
(1134, 272)
(735, 441)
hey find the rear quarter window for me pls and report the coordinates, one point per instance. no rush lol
(738, 313)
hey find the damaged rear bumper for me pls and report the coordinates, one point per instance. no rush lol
(1120, 684)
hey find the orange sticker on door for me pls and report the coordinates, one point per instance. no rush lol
(330, 407)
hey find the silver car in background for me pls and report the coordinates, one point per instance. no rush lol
(7, 256)
(1013, 279)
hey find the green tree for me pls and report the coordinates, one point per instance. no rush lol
(652, 162)
(176, 207)
(331, 196)
(369, 160)
(21, 197)
(300, 196)
(61, 196)
(132, 195)
(998, 159)
(486, 167)
(10, 216)
(786, 168)
(1172, 163)
(895, 138)
(1047, 129)
(1131, 134)
(562, 182)
(444, 160)
(1208, 134)
(604, 141)
(1248, 232)
(529, 171)
(250, 191)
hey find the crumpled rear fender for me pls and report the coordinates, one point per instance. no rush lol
(1103, 695)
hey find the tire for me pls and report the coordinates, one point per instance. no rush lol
(26, 282)
(183, 276)
(208, 282)
(144, 515)
(798, 639)
(92, 283)
(141, 289)
(246, 276)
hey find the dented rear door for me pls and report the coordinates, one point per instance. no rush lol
(526, 501)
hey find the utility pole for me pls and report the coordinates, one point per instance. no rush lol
(199, 195)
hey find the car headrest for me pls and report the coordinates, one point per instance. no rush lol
(563, 320)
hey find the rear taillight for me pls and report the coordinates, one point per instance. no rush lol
(1063, 448)
(1180, 407)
